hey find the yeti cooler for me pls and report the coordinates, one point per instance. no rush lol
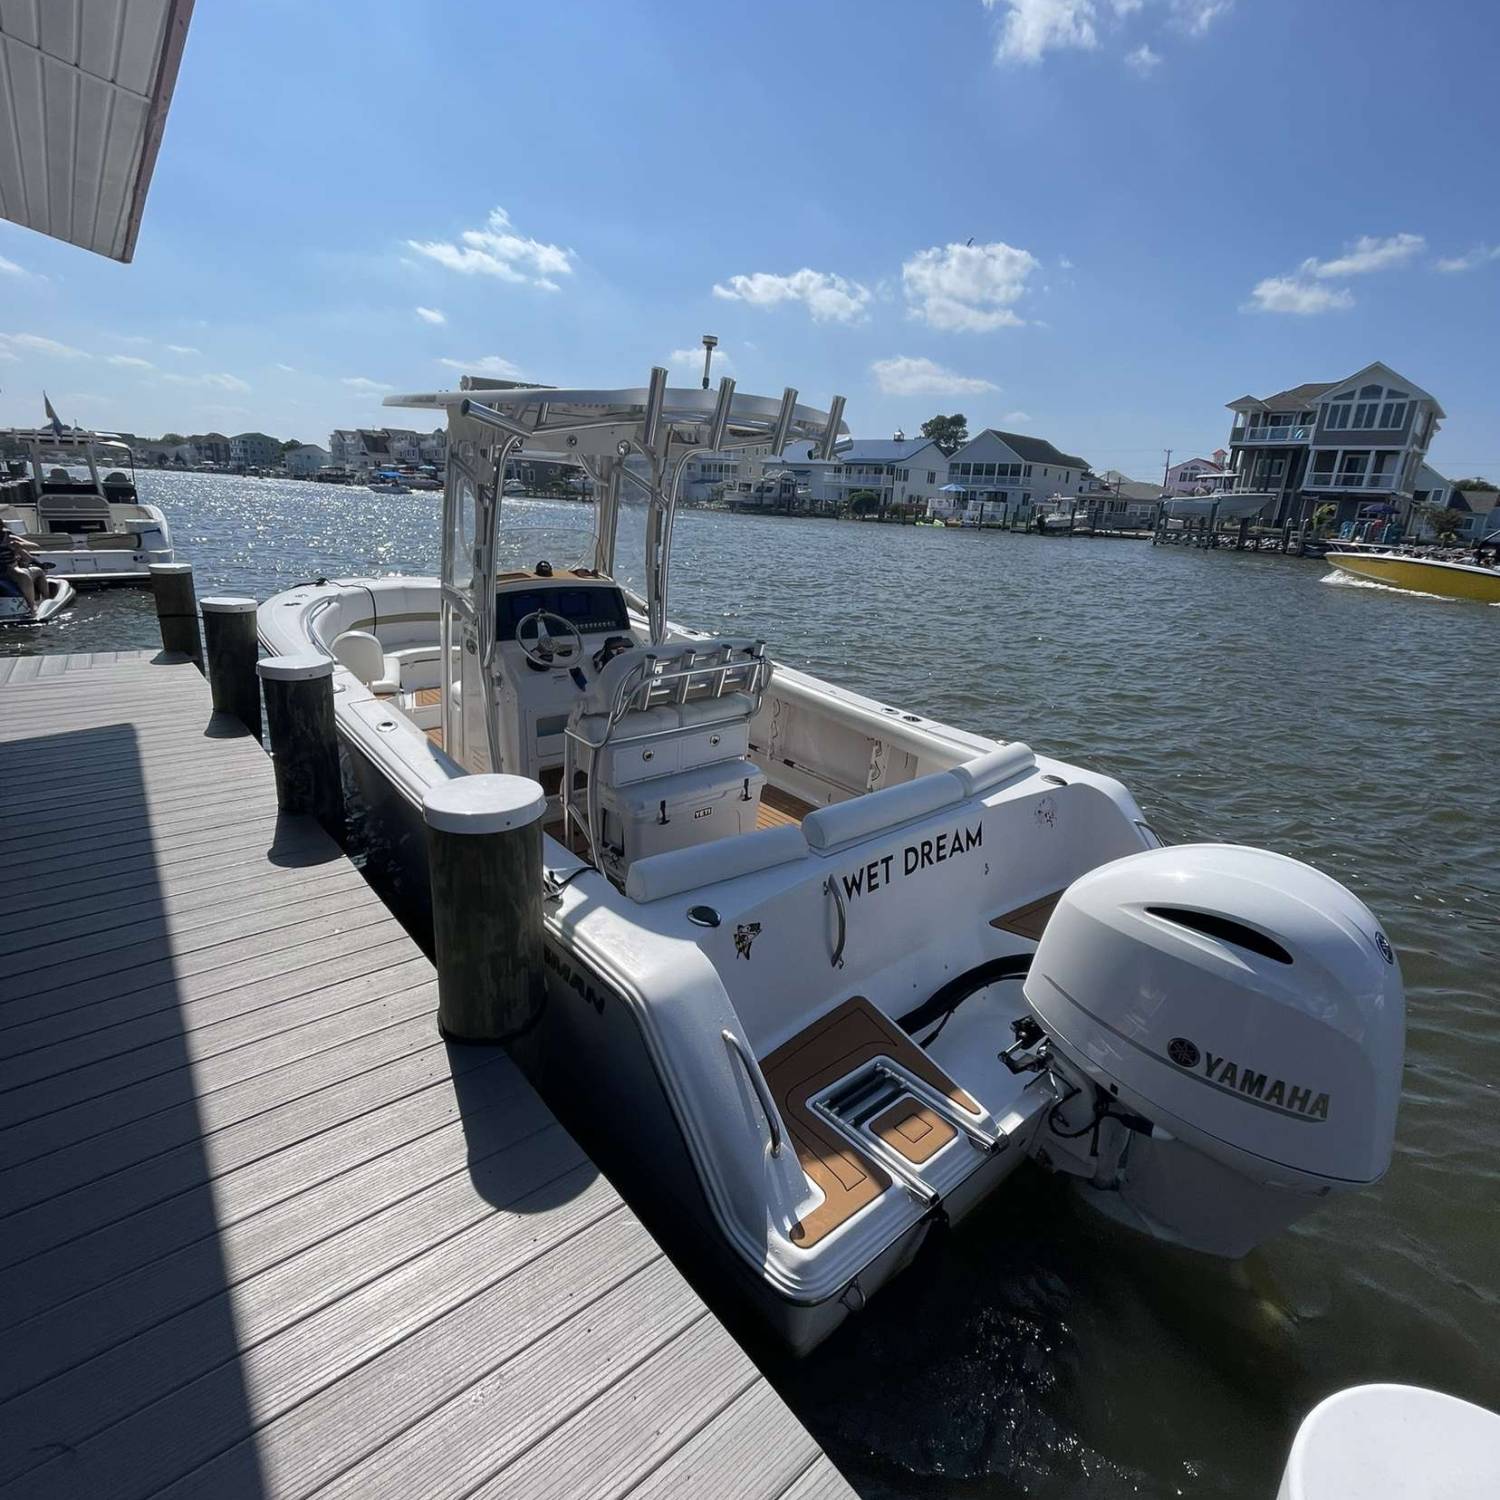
(677, 811)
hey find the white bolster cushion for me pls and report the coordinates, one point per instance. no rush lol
(831, 827)
(679, 870)
(993, 767)
(361, 653)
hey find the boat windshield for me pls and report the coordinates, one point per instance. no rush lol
(535, 527)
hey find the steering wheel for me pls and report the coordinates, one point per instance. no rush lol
(557, 642)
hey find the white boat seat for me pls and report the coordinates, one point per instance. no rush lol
(414, 667)
(678, 870)
(829, 828)
(994, 767)
(360, 652)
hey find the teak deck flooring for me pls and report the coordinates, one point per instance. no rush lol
(261, 1232)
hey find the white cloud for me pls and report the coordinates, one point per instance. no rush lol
(215, 382)
(182, 349)
(431, 315)
(130, 362)
(691, 362)
(1196, 16)
(1289, 294)
(1143, 60)
(10, 268)
(827, 297)
(1065, 264)
(1471, 259)
(34, 343)
(285, 369)
(1017, 418)
(497, 250)
(1368, 253)
(1034, 27)
(906, 375)
(364, 383)
(967, 288)
(490, 364)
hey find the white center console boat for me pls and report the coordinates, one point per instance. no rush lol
(822, 971)
(80, 510)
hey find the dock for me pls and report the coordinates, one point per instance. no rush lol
(263, 1233)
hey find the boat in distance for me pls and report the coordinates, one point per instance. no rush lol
(821, 971)
(1423, 575)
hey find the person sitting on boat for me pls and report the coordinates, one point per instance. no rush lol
(18, 564)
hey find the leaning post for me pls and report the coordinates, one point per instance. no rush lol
(304, 745)
(230, 646)
(484, 852)
(177, 609)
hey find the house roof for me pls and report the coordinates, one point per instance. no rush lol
(1298, 397)
(1032, 450)
(884, 450)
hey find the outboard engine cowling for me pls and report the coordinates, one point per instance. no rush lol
(1226, 1027)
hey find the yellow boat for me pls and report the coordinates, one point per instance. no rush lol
(1425, 575)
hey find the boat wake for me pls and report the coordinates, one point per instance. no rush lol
(1349, 581)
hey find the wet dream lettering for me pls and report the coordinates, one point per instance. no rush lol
(1288, 1097)
(919, 856)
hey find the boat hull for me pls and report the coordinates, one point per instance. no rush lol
(1422, 575)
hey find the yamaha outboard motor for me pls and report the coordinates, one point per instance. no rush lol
(1225, 1029)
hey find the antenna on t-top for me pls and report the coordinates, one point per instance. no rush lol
(710, 343)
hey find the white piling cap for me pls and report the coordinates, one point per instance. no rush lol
(228, 604)
(304, 666)
(483, 804)
(171, 567)
(1396, 1441)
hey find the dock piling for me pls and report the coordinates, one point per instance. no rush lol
(304, 745)
(230, 646)
(484, 848)
(177, 609)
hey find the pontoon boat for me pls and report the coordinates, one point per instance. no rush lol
(822, 971)
(91, 527)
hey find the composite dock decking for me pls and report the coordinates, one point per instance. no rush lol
(261, 1232)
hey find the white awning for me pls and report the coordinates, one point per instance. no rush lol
(87, 84)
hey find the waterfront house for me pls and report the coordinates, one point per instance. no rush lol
(255, 450)
(1198, 476)
(1007, 474)
(304, 461)
(1355, 443)
(899, 472)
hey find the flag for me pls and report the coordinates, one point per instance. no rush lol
(52, 417)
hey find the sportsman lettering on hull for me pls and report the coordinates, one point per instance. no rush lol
(934, 851)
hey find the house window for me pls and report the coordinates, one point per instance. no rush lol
(1336, 417)
(1027, 471)
(931, 476)
(1352, 468)
(1393, 414)
(1322, 469)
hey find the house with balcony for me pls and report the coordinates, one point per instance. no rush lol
(304, 461)
(255, 450)
(1357, 444)
(900, 472)
(1007, 474)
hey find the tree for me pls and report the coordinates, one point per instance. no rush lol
(173, 439)
(1475, 484)
(1443, 521)
(289, 444)
(949, 433)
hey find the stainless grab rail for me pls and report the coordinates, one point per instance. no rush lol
(831, 887)
(758, 1083)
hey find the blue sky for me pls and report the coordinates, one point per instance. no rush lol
(1170, 203)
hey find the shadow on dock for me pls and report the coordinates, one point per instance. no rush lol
(114, 1286)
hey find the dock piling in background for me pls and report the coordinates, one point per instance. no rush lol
(304, 745)
(177, 609)
(230, 646)
(484, 850)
